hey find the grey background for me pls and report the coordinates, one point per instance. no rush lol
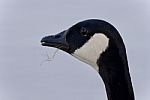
(24, 22)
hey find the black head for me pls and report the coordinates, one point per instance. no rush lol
(77, 35)
(87, 40)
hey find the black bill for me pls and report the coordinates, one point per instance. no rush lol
(56, 41)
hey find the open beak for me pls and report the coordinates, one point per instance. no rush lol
(56, 41)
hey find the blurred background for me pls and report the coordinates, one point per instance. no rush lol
(24, 73)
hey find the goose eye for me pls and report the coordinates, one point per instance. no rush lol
(84, 31)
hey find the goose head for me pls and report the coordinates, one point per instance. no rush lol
(86, 40)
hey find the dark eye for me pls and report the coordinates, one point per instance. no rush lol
(84, 31)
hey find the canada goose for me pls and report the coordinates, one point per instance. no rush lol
(99, 44)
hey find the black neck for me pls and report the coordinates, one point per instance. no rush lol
(115, 74)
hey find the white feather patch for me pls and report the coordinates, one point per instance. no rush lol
(92, 49)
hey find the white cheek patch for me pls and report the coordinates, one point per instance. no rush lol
(92, 49)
